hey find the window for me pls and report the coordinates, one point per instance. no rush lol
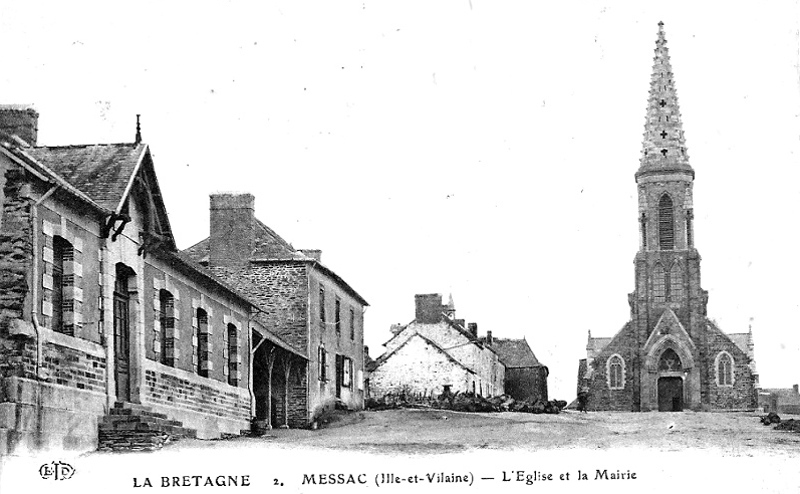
(337, 316)
(321, 361)
(675, 283)
(659, 285)
(616, 372)
(233, 355)
(202, 343)
(62, 253)
(321, 307)
(666, 223)
(724, 369)
(166, 317)
(689, 240)
(347, 372)
(352, 324)
(669, 361)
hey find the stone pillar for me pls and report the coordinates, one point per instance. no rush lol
(270, 364)
(287, 368)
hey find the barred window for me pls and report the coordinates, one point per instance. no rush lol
(202, 342)
(659, 285)
(62, 253)
(666, 223)
(233, 355)
(167, 319)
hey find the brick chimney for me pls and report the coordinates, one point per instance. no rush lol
(489, 339)
(233, 235)
(21, 121)
(313, 253)
(428, 308)
(796, 390)
(396, 328)
(473, 328)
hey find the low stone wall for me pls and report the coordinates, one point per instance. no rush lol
(210, 407)
(36, 415)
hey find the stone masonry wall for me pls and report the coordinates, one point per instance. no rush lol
(188, 394)
(600, 396)
(281, 289)
(742, 394)
(16, 247)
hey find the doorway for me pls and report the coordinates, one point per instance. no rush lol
(122, 340)
(670, 394)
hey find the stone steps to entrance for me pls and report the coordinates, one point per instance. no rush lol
(135, 427)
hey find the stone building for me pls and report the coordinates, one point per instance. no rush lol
(780, 400)
(437, 352)
(300, 299)
(670, 355)
(526, 377)
(109, 335)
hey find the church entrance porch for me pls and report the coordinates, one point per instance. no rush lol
(670, 394)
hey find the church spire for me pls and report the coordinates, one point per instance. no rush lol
(664, 147)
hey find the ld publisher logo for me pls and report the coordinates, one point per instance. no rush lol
(56, 470)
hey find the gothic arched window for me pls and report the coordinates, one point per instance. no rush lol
(659, 284)
(666, 223)
(616, 372)
(675, 283)
(724, 369)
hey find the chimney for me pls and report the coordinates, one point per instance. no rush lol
(21, 121)
(313, 253)
(232, 238)
(473, 328)
(428, 308)
(489, 339)
(796, 391)
(366, 350)
(396, 328)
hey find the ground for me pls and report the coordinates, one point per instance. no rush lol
(438, 431)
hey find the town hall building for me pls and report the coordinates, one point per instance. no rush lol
(670, 356)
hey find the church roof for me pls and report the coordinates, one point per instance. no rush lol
(663, 147)
(741, 340)
(515, 353)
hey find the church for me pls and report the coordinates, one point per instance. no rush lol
(670, 356)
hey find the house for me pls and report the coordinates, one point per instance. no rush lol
(299, 299)
(780, 400)
(437, 353)
(526, 378)
(670, 356)
(107, 332)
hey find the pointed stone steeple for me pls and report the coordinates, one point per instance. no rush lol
(664, 147)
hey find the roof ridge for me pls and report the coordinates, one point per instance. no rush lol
(78, 146)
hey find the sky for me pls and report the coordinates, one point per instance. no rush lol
(481, 148)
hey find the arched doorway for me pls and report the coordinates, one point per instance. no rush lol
(670, 382)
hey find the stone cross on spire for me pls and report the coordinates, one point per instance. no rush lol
(664, 147)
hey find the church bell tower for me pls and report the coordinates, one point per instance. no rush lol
(668, 297)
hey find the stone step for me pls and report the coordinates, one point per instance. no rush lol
(130, 411)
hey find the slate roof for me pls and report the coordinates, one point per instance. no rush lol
(101, 171)
(741, 340)
(515, 353)
(597, 344)
(272, 248)
(269, 246)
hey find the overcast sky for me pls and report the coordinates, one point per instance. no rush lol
(482, 148)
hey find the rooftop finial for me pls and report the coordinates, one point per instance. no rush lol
(138, 130)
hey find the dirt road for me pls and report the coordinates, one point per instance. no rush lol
(438, 431)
